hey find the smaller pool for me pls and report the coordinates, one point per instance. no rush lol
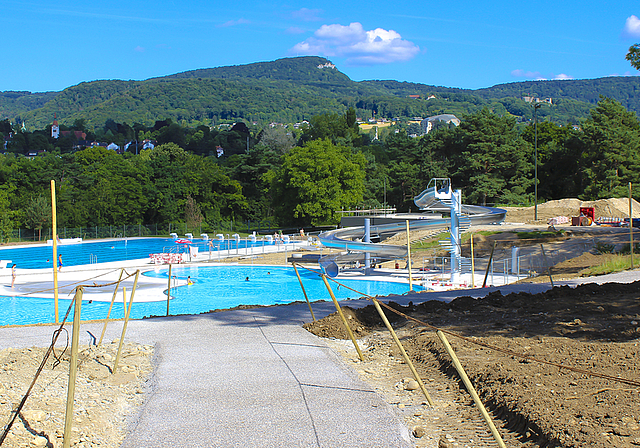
(215, 287)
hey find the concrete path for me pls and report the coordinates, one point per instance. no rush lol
(246, 378)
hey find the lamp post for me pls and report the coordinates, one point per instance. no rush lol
(535, 186)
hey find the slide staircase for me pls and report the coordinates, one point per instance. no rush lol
(438, 197)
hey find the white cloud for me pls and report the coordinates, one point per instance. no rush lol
(519, 73)
(307, 15)
(358, 46)
(234, 23)
(294, 30)
(537, 76)
(631, 27)
(139, 49)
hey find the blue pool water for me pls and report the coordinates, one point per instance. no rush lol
(215, 287)
(37, 257)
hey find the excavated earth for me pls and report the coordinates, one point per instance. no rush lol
(559, 369)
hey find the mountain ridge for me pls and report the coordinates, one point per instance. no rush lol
(292, 89)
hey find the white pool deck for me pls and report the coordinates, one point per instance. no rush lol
(99, 280)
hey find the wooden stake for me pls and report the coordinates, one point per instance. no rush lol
(73, 369)
(344, 320)
(404, 353)
(409, 257)
(304, 292)
(113, 299)
(471, 389)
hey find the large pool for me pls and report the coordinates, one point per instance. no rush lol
(40, 256)
(215, 287)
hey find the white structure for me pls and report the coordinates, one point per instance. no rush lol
(429, 123)
(55, 129)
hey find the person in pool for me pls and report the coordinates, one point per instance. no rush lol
(189, 281)
(60, 263)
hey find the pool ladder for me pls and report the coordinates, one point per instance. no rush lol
(93, 259)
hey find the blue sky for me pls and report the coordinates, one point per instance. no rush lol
(54, 45)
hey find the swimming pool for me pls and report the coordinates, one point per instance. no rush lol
(40, 256)
(215, 287)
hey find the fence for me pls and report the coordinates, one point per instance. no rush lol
(139, 230)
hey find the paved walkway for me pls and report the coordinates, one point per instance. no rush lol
(245, 378)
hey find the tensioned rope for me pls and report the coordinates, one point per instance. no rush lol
(484, 344)
(81, 283)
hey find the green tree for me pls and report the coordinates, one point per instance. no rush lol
(192, 214)
(492, 160)
(633, 56)
(38, 214)
(316, 180)
(7, 215)
(612, 150)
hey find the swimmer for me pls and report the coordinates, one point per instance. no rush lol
(246, 279)
(189, 282)
(60, 263)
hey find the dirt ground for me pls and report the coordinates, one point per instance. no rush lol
(518, 351)
(103, 401)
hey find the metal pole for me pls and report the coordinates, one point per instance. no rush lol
(73, 369)
(55, 248)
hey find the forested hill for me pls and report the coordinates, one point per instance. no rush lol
(294, 89)
(625, 89)
(305, 70)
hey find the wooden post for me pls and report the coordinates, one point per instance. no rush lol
(113, 299)
(547, 263)
(473, 266)
(54, 236)
(126, 319)
(404, 353)
(486, 274)
(304, 292)
(344, 320)
(73, 368)
(169, 289)
(630, 225)
(409, 257)
(471, 389)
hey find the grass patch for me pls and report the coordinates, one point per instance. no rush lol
(614, 263)
(540, 234)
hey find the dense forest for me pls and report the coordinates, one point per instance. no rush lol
(300, 177)
(295, 89)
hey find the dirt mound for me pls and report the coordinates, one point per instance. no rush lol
(593, 328)
(608, 208)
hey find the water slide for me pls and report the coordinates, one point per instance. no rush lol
(437, 198)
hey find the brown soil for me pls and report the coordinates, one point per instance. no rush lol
(610, 208)
(103, 400)
(517, 350)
